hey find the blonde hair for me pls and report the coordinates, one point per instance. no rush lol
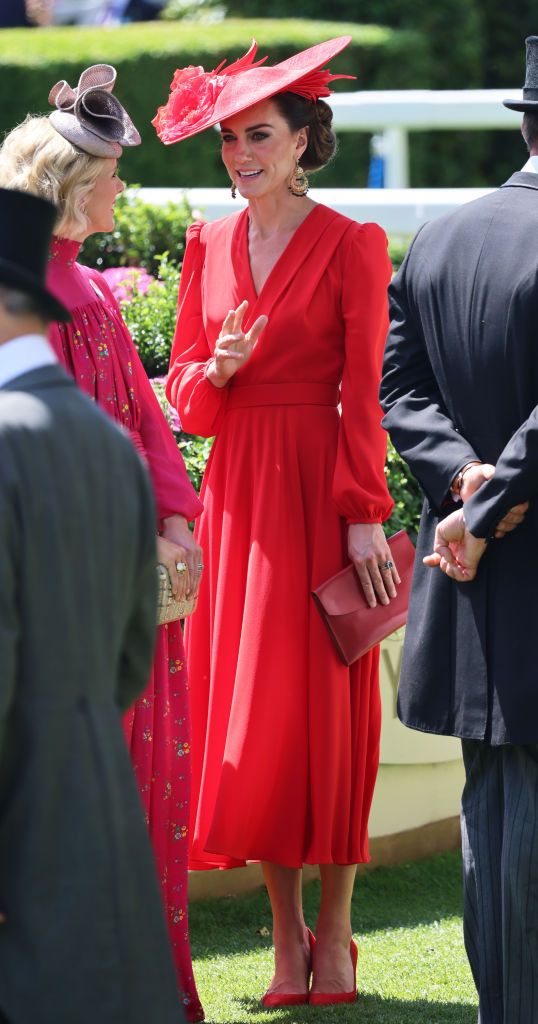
(35, 158)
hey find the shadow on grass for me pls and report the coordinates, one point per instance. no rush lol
(371, 1009)
(400, 897)
(416, 893)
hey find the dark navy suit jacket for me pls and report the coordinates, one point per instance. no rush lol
(461, 383)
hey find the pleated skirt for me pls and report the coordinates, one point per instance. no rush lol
(285, 738)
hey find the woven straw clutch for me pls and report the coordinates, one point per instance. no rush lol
(168, 609)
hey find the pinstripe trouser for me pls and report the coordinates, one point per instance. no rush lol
(499, 821)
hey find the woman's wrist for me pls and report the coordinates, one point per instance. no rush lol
(176, 519)
(175, 528)
(211, 374)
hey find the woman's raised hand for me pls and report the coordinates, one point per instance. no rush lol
(234, 348)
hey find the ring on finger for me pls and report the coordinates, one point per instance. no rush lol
(386, 566)
(181, 567)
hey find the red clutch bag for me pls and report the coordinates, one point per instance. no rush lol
(355, 627)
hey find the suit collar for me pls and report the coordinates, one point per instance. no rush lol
(522, 179)
(40, 377)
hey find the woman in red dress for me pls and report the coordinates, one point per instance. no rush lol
(285, 737)
(71, 158)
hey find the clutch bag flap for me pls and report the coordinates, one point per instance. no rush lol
(355, 627)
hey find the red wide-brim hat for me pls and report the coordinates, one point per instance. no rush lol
(200, 99)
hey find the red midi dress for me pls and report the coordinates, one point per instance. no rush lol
(97, 350)
(285, 737)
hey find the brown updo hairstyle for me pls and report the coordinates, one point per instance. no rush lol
(317, 117)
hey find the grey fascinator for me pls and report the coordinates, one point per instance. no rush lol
(90, 116)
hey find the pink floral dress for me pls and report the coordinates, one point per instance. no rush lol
(97, 350)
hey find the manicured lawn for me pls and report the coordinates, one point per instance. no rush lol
(412, 963)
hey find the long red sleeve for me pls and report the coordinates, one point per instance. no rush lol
(359, 487)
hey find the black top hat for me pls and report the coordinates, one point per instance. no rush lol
(529, 103)
(26, 225)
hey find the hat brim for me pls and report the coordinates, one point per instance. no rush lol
(255, 85)
(16, 277)
(524, 106)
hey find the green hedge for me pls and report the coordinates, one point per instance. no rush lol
(142, 233)
(448, 45)
(146, 56)
(151, 318)
(472, 44)
(469, 46)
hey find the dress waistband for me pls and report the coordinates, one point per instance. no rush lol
(249, 395)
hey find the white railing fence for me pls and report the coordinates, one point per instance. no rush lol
(399, 211)
(396, 114)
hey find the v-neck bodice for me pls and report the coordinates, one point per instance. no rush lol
(243, 228)
(326, 303)
(226, 280)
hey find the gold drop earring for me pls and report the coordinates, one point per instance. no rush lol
(233, 190)
(298, 184)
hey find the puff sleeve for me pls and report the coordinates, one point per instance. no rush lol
(359, 486)
(199, 403)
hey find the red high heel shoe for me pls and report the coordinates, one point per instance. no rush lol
(326, 998)
(272, 999)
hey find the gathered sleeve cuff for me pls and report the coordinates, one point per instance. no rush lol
(359, 487)
(199, 403)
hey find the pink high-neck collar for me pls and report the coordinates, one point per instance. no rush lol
(63, 250)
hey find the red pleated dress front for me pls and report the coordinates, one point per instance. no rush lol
(285, 737)
(97, 350)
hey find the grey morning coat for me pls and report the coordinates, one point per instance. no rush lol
(85, 939)
(460, 380)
